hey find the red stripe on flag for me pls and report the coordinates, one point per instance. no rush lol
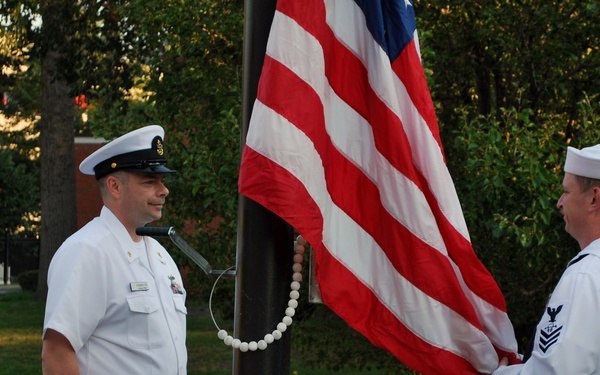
(415, 82)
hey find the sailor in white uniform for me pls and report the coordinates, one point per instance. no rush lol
(567, 338)
(116, 302)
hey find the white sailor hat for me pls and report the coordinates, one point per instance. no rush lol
(584, 162)
(141, 151)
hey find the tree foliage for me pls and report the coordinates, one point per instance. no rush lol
(509, 180)
(19, 87)
(515, 83)
(541, 55)
(190, 56)
(19, 183)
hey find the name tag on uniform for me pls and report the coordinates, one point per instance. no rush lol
(138, 286)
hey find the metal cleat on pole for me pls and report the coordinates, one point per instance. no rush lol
(185, 247)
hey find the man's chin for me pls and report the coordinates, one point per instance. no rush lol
(154, 217)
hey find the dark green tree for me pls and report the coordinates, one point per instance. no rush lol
(19, 183)
(187, 63)
(491, 54)
(514, 83)
(59, 48)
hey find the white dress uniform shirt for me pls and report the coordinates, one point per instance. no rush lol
(567, 339)
(121, 314)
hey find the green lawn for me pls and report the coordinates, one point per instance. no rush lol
(21, 320)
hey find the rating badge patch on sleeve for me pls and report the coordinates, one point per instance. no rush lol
(552, 326)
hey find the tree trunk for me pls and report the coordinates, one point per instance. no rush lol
(57, 128)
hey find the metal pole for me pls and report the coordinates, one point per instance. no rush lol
(6, 255)
(264, 250)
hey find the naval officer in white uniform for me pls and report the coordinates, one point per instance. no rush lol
(567, 338)
(116, 302)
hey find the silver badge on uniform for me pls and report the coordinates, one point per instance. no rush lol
(138, 286)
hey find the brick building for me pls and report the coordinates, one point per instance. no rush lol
(89, 202)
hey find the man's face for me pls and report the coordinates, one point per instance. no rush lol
(573, 204)
(143, 197)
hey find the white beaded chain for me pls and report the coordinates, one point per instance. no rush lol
(290, 311)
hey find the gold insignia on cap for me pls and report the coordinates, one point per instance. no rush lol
(113, 165)
(159, 147)
(159, 254)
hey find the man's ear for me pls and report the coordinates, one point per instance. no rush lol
(113, 186)
(595, 203)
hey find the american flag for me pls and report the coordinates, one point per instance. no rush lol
(343, 144)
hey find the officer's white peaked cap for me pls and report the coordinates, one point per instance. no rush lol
(141, 151)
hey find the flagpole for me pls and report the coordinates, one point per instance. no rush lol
(265, 242)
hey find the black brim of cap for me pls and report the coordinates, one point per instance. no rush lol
(158, 169)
